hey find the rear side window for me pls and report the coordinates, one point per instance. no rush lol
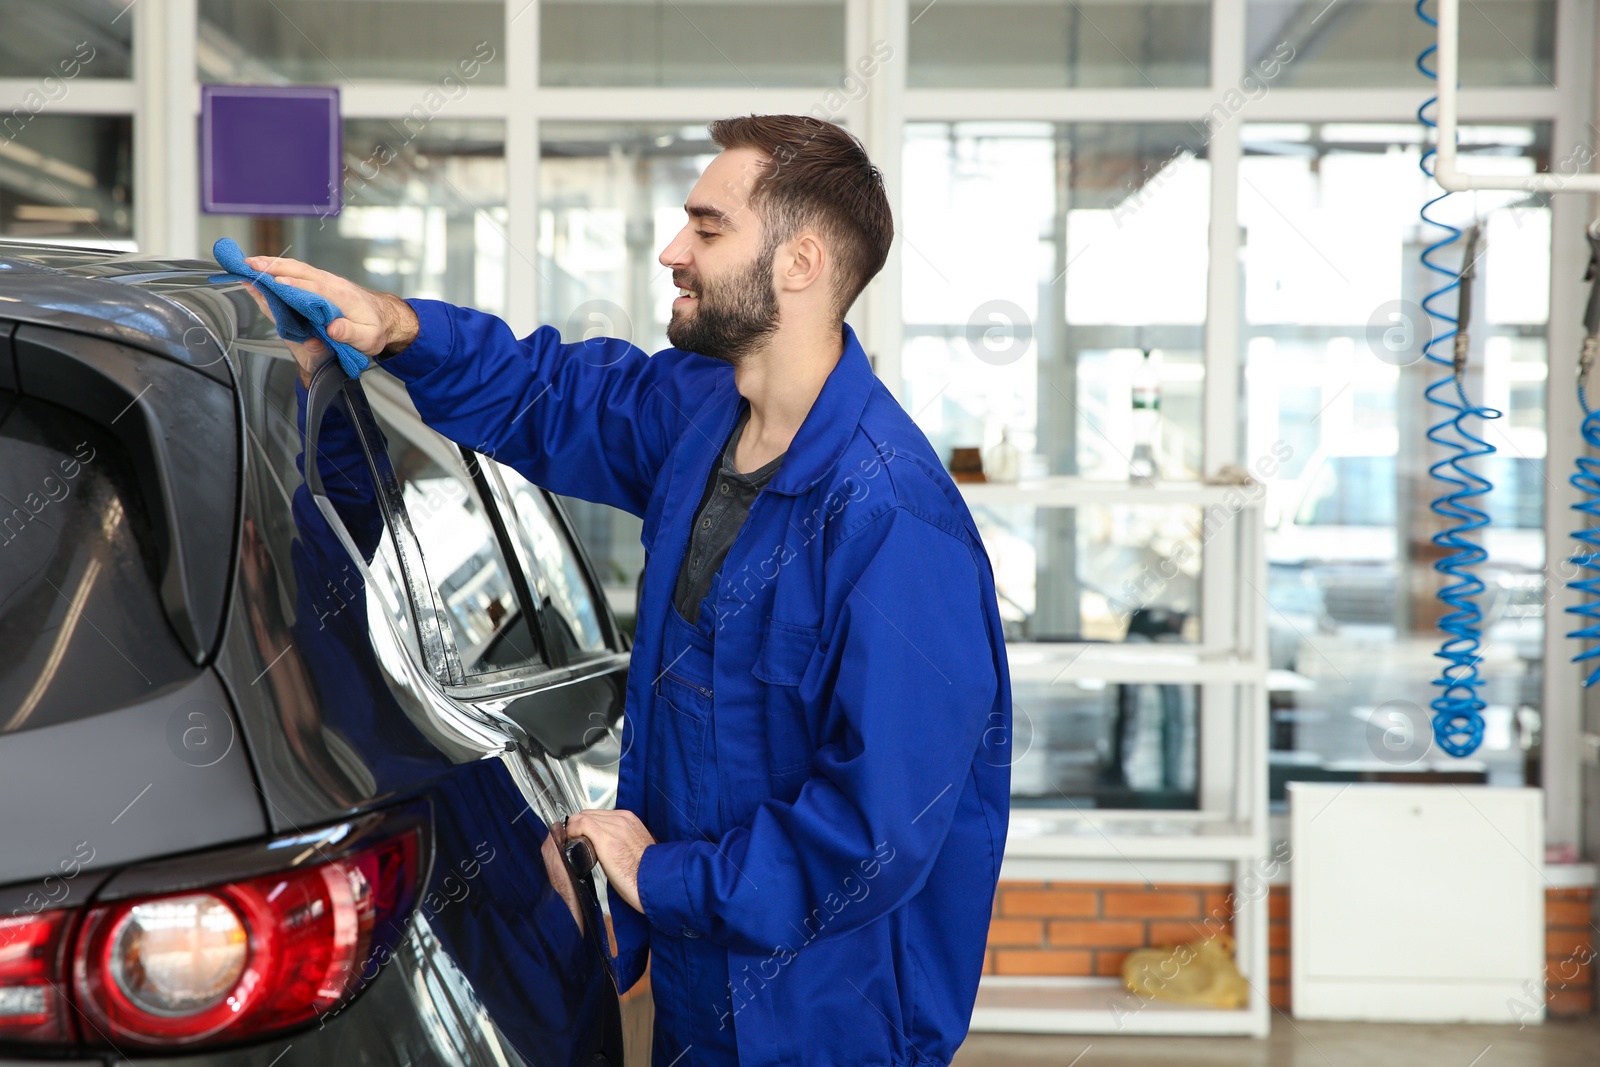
(81, 621)
(469, 575)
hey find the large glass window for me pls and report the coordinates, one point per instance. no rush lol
(1123, 559)
(424, 213)
(1048, 268)
(610, 198)
(58, 41)
(746, 43)
(959, 44)
(1086, 744)
(1127, 574)
(449, 44)
(67, 178)
(1364, 44)
(1335, 374)
(1054, 299)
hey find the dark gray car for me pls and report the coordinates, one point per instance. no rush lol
(294, 694)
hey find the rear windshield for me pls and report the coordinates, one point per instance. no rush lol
(80, 619)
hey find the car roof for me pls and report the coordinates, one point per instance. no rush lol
(159, 304)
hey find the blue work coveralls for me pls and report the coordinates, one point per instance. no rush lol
(826, 765)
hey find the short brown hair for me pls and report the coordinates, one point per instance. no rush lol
(816, 174)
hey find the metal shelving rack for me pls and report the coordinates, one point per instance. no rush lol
(1230, 665)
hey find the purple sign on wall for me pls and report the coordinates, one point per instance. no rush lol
(270, 150)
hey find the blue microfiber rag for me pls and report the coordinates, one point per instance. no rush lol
(300, 313)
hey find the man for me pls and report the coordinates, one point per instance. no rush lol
(813, 794)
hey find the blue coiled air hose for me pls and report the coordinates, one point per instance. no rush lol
(1458, 707)
(1587, 478)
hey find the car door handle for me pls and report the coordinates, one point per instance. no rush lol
(581, 860)
(580, 857)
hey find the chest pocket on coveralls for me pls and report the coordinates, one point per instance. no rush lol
(681, 742)
(786, 648)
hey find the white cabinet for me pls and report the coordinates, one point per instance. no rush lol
(1417, 903)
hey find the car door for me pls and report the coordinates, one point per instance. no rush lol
(461, 588)
(498, 600)
(557, 667)
(584, 632)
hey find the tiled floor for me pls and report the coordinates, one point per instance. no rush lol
(1292, 1044)
(1305, 1044)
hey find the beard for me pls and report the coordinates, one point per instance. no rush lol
(730, 318)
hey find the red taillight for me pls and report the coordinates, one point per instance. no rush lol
(33, 1003)
(240, 959)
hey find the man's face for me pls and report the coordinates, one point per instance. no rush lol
(722, 265)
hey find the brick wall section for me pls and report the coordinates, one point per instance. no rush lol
(1082, 929)
(1278, 946)
(1569, 951)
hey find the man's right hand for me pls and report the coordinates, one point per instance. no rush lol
(377, 324)
(308, 355)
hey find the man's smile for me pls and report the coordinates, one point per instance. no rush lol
(688, 295)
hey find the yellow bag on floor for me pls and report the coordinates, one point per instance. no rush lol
(1200, 972)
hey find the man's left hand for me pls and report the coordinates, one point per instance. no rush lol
(619, 840)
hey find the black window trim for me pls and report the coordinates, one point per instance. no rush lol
(610, 633)
(439, 657)
(522, 567)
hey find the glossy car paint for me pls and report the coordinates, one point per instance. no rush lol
(313, 705)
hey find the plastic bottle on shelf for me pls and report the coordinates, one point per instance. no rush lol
(1146, 419)
(1003, 461)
